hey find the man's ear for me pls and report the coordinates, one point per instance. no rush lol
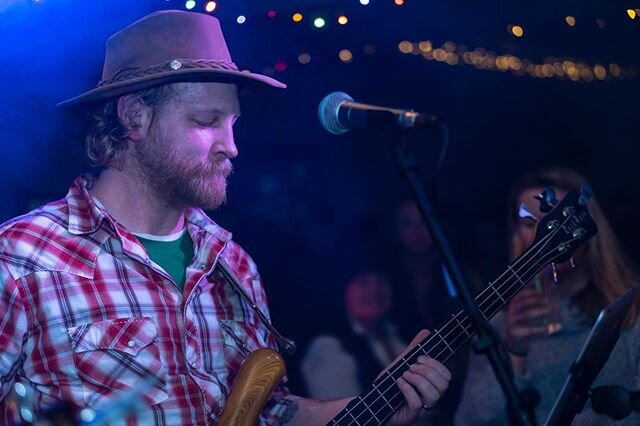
(135, 115)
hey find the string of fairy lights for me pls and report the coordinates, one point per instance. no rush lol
(560, 68)
(450, 52)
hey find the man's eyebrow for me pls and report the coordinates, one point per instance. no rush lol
(217, 111)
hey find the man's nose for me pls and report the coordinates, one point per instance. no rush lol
(227, 144)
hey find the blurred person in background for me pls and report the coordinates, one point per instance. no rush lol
(424, 296)
(545, 324)
(363, 340)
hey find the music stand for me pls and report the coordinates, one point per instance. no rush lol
(594, 354)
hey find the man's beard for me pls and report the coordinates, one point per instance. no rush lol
(180, 181)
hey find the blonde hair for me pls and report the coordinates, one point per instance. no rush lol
(106, 134)
(609, 269)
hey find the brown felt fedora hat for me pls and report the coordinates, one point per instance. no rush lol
(167, 47)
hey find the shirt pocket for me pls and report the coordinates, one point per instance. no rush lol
(114, 356)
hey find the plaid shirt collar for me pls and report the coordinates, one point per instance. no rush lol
(86, 217)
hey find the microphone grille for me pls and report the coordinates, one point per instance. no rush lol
(328, 112)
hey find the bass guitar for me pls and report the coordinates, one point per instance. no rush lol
(557, 237)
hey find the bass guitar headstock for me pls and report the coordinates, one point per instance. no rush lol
(565, 227)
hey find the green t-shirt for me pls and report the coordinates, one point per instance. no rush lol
(173, 253)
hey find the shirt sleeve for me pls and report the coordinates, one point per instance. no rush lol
(13, 331)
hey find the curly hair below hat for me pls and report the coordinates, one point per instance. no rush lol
(106, 134)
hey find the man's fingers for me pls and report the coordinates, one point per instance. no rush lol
(435, 365)
(427, 392)
(411, 397)
(435, 378)
(428, 378)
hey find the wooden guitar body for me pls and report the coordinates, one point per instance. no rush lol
(257, 378)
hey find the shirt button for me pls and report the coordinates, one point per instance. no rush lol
(131, 343)
(202, 266)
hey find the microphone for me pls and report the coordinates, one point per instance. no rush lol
(339, 113)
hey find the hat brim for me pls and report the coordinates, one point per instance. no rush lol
(245, 79)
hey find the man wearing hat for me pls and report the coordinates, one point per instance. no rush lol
(120, 286)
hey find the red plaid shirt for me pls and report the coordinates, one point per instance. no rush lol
(87, 315)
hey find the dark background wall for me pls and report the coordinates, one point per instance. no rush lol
(313, 208)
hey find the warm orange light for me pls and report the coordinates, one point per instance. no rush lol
(345, 55)
(440, 55)
(342, 20)
(615, 70)
(517, 31)
(425, 46)
(571, 21)
(297, 17)
(586, 74)
(399, 2)
(502, 62)
(452, 59)
(600, 72)
(632, 13)
(405, 46)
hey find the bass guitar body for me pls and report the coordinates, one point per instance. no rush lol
(258, 377)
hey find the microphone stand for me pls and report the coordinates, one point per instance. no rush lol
(520, 412)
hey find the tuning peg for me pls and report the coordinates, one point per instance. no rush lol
(555, 273)
(547, 199)
(585, 195)
(572, 263)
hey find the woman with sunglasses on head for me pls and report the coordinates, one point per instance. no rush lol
(546, 323)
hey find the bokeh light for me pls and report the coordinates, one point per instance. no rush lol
(304, 58)
(211, 6)
(280, 66)
(345, 55)
(517, 30)
(405, 46)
